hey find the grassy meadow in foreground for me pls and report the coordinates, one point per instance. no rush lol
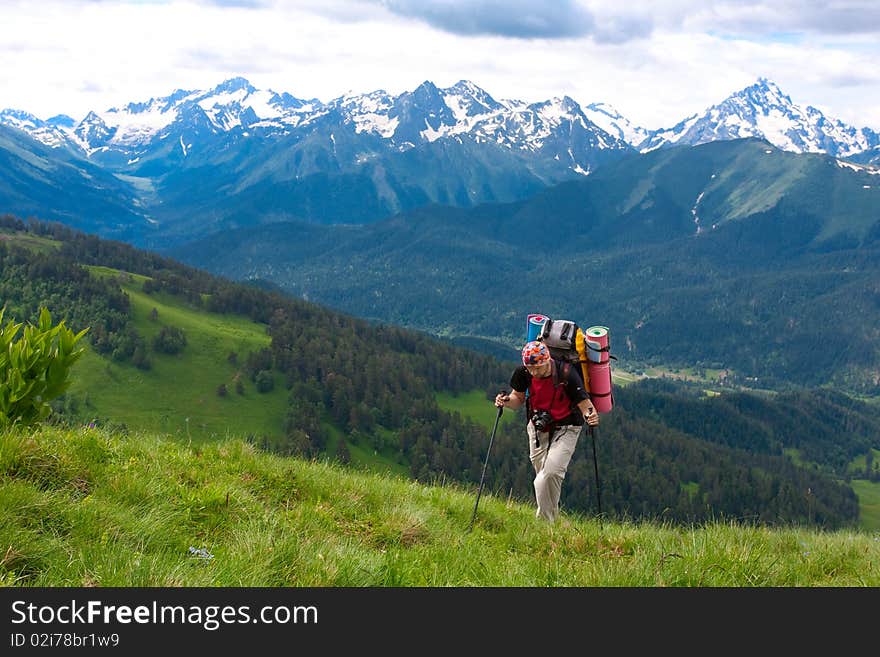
(89, 507)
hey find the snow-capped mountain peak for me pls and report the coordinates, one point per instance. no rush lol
(762, 110)
(767, 93)
(48, 132)
(614, 123)
(20, 119)
(61, 121)
(233, 85)
(92, 133)
(423, 115)
(231, 104)
(468, 100)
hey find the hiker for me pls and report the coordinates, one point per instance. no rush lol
(556, 409)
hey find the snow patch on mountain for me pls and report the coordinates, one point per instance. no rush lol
(136, 125)
(369, 112)
(857, 167)
(614, 123)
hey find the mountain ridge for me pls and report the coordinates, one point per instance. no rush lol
(760, 110)
(197, 162)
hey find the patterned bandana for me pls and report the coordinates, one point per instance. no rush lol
(535, 353)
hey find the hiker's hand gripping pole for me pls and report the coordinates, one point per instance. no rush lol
(486, 463)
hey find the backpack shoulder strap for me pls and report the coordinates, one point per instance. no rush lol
(566, 368)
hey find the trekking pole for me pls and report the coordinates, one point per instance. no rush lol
(596, 470)
(485, 463)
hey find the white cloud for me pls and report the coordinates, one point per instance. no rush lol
(655, 62)
(520, 19)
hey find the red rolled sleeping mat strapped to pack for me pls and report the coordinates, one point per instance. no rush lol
(599, 367)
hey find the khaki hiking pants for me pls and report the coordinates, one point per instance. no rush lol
(550, 466)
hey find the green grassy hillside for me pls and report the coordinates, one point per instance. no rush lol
(89, 507)
(178, 394)
(869, 503)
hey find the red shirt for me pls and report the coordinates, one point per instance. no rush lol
(543, 396)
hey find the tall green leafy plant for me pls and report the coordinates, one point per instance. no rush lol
(35, 368)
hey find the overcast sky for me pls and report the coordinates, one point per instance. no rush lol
(655, 61)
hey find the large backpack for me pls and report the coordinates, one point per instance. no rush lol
(566, 342)
(587, 350)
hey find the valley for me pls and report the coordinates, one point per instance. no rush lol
(719, 263)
